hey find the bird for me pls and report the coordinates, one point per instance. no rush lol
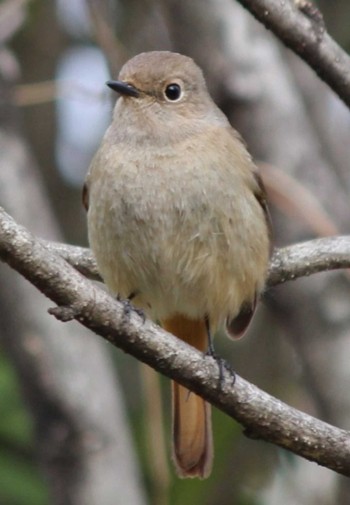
(178, 221)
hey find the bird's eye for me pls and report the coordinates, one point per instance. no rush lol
(173, 92)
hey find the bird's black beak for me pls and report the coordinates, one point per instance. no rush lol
(123, 88)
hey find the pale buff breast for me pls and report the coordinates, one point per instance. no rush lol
(186, 237)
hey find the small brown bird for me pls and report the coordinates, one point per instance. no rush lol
(177, 221)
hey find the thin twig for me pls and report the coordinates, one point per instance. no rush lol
(287, 263)
(114, 51)
(307, 258)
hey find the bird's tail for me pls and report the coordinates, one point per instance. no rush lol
(192, 432)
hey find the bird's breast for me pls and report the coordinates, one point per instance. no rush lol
(183, 234)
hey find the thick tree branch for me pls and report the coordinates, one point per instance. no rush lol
(262, 415)
(299, 25)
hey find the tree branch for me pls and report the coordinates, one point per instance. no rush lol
(287, 263)
(307, 258)
(299, 25)
(262, 415)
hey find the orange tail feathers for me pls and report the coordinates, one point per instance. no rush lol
(192, 432)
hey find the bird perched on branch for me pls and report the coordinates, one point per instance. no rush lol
(177, 220)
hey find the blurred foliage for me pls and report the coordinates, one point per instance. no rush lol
(20, 480)
(336, 14)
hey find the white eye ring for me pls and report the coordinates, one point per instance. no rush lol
(173, 92)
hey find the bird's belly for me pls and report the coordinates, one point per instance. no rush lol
(173, 260)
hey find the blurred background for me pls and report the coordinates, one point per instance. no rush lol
(79, 420)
